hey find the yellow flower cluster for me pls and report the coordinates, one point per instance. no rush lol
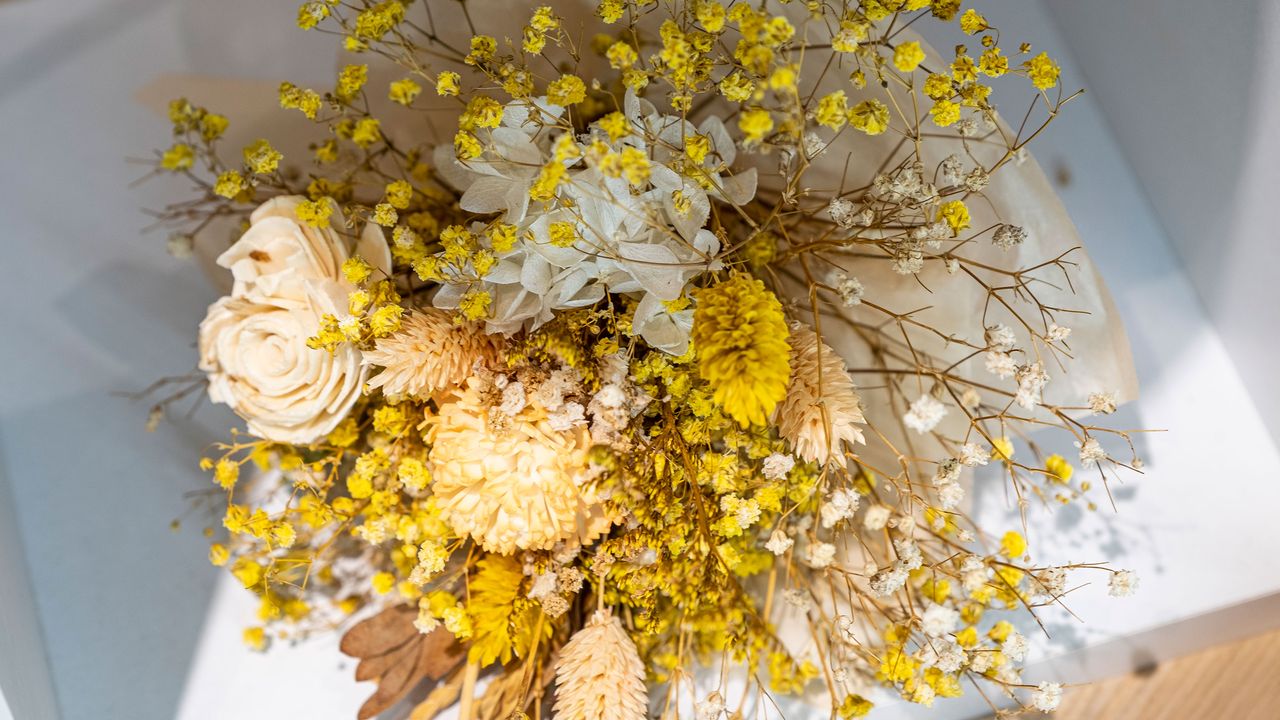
(740, 336)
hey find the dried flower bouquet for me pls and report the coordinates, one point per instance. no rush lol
(634, 359)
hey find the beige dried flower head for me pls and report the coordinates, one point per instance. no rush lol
(511, 485)
(430, 353)
(821, 409)
(600, 675)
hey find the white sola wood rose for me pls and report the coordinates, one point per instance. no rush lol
(253, 343)
(600, 675)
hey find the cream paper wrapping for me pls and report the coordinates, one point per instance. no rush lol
(1019, 193)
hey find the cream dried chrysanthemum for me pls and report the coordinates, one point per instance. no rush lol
(600, 675)
(429, 353)
(513, 485)
(821, 409)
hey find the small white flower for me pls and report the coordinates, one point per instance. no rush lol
(841, 505)
(1008, 674)
(1103, 402)
(938, 620)
(948, 471)
(1058, 333)
(950, 495)
(426, 623)
(711, 708)
(513, 400)
(543, 585)
(778, 542)
(611, 396)
(909, 555)
(1091, 452)
(974, 574)
(888, 582)
(972, 454)
(977, 180)
(876, 517)
(1001, 364)
(1000, 337)
(848, 288)
(952, 169)
(842, 212)
(925, 414)
(909, 262)
(821, 555)
(982, 661)
(797, 598)
(1007, 236)
(1052, 581)
(568, 416)
(1031, 381)
(1047, 697)
(1122, 584)
(777, 465)
(951, 659)
(1015, 646)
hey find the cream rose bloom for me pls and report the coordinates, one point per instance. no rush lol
(253, 343)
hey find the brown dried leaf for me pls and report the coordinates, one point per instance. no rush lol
(443, 696)
(504, 696)
(381, 633)
(392, 686)
(374, 667)
(441, 653)
(397, 656)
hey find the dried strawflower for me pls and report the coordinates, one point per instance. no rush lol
(600, 675)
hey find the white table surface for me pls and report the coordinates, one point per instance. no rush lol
(137, 626)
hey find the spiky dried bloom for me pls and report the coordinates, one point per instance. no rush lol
(514, 487)
(740, 337)
(600, 675)
(821, 410)
(430, 353)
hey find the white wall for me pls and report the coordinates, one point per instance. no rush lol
(1191, 90)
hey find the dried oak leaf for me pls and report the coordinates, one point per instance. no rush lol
(393, 652)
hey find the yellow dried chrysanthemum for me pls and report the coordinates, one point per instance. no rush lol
(600, 675)
(503, 622)
(513, 487)
(740, 337)
(430, 353)
(821, 410)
